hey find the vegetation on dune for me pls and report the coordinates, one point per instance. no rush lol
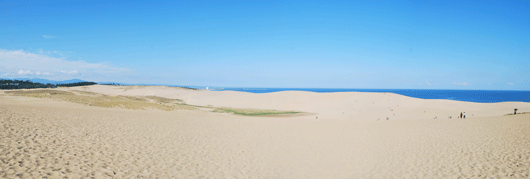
(135, 102)
(101, 100)
(35, 93)
(253, 112)
(164, 100)
(85, 92)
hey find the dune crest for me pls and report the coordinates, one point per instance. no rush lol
(340, 105)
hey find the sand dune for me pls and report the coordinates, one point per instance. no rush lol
(343, 105)
(45, 138)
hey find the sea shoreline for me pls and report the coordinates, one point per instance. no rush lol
(479, 96)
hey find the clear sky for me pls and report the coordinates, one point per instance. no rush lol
(298, 44)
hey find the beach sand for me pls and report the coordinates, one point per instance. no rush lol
(350, 139)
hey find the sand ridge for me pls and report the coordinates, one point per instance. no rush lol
(340, 105)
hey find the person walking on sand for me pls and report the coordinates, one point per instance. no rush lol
(460, 115)
(464, 115)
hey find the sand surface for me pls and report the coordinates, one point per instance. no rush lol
(45, 138)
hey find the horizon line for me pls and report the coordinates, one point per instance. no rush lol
(174, 85)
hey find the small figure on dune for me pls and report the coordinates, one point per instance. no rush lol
(515, 111)
(387, 118)
(460, 115)
(464, 115)
(317, 117)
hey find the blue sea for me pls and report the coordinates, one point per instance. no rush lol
(479, 96)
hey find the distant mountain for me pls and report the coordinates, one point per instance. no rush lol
(45, 81)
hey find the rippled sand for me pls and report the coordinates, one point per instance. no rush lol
(45, 138)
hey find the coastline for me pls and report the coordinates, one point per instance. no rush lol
(480, 96)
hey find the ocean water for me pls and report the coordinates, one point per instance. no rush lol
(479, 96)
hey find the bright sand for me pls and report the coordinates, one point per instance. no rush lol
(46, 138)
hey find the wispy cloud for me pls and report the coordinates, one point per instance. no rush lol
(43, 73)
(27, 72)
(23, 63)
(55, 52)
(427, 83)
(48, 36)
(461, 84)
(510, 83)
(70, 72)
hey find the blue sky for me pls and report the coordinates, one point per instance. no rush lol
(311, 44)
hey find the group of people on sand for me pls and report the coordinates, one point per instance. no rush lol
(462, 115)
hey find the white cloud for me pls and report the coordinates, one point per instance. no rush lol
(41, 51)
(510, 83)
(22, 72)
(43, 73)
(27, 63)
(48, 36)
(70, 72)
(427, 83)
(461, 84)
